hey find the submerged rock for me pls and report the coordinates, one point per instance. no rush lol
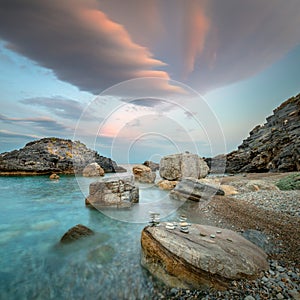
(102, 255)
(75, 233)
(118, 192)
(178, 166)
(195, 190)
(195, 260)
(143, 174)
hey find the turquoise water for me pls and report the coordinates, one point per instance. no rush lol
(36, 212)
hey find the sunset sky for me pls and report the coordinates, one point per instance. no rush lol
(140, 79)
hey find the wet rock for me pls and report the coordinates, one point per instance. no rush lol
(273, 146)
(117, 192)
(260, 239)
(167, 184)
(92, 170)
(75, 233)
(178, 166)
(102, 255)
(195, 190)
(54, 176)
(193, 261)
(143, 174)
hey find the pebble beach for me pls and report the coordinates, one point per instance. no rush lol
(274, 213)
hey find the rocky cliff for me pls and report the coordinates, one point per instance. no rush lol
(50, 155)
(274, 146)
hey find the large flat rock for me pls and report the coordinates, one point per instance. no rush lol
(195, 190)
(197, 260)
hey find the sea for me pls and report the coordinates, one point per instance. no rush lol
(36, 212)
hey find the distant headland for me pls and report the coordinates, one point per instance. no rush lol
(53, 155)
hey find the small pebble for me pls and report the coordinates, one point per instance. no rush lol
(212, 236)
(280, 269)
(279, 296)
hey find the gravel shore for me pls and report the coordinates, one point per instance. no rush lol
(273, 213)
(281, 201)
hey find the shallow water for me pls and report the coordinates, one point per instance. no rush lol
(36, 212)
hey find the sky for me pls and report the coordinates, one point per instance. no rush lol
(137, 80)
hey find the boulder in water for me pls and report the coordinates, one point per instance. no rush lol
(75, 233)
(143, 174)
(117, 192)
(92, 170)
(178, 166)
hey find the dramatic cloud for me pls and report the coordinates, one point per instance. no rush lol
(75, 39)
(43, 123)
(62, 107)
(204, 43)
(196, 29)
(244, 39)
(11, 134)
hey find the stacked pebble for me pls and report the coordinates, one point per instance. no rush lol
(279, 282)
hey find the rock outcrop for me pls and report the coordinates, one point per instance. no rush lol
(92, 170)
(75, 233)
(178, 166)
(52, 155)
(206, 257)
(143, 174)
(195, 190)
(113, 192)
(274, 146)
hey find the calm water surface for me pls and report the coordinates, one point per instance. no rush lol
(36, 212)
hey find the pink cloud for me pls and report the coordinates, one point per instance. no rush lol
(197, 25)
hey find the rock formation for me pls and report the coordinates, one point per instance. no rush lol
(75, 233)
(52, 155)
(195, 190)
(178, 166)
(54, 177)
(143, 174)
(93, 169)
(152, 165)
(113, 192)
(206, 257)
(274, 146)
(167, 184)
